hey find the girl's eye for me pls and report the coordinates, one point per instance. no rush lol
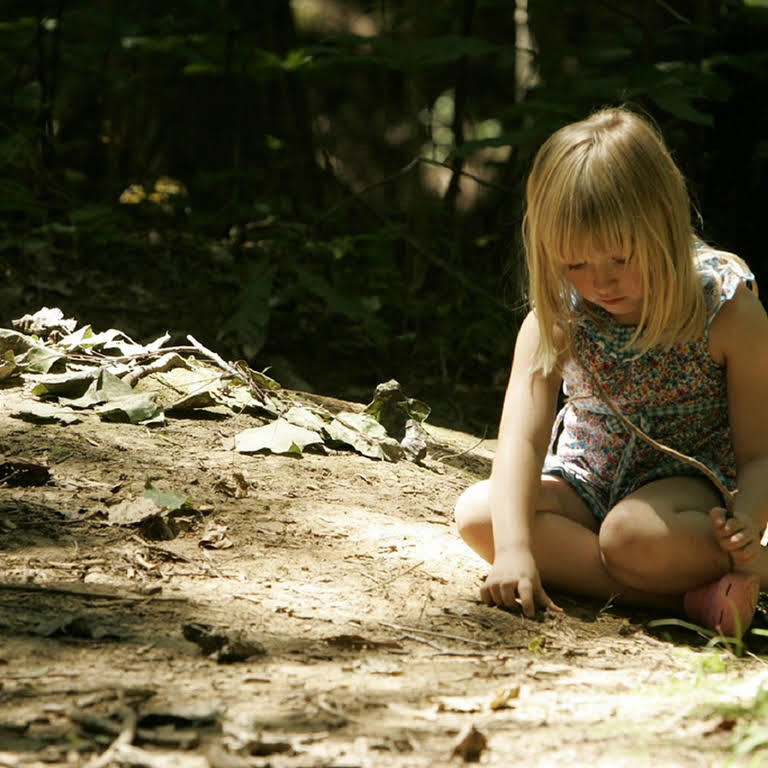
(620, 262)
(574, 267)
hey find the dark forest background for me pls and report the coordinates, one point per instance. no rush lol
(333, 188)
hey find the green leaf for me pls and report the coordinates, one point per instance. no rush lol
(14, 341)
(44, 413)
(278, 436)
(39, 359)
(510, 139)
(7, 365)
(295, 59)
(71, 384)
(110, 387)
(392, 408)
(681, 107)
(406, 55)
(202, 68)
(137, 408)
(363, 433)
(168, 500)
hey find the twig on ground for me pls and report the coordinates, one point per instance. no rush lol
(463, 453)
(124, 738)
(325, 706)
(177, 739)
(101, 357)
(432, 633)
(397, 576)
(237, 371)
(425, 641)
(249, 599)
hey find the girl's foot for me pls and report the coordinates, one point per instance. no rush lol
(725, 606)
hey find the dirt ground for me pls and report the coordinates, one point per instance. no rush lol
(315, 611)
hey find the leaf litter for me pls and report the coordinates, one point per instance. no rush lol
(124, 381)
(336, 617)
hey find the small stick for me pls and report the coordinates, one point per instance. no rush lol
(101, 357)
(248, 598)
(125, 737)
(96, 724)
(324, 706)
(238, 371)
(396, 576)
(444, 635)
(703, 468)
(463, 453)
(425, 641)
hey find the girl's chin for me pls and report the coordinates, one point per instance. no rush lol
(622, 310)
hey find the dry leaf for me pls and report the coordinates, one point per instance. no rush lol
(503, 696)
(238, 486)
(132, 511)
(215, 536)
(470, 745)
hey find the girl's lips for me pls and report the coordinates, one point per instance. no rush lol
(611, 301)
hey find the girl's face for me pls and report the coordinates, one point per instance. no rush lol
(612, 282)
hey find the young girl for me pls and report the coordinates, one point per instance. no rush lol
(628, 310)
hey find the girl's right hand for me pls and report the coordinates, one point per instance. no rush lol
(514, 578)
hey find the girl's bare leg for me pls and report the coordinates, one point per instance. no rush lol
(660, 537)
(566, 544)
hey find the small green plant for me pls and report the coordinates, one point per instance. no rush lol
(608, 604)
(537, 645)
(734, 644)
(710, 662)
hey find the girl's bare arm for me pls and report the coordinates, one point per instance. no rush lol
(739, 339)
(524, 433)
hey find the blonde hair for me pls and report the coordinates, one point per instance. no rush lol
(609, 184)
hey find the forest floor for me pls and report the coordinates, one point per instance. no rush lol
(316, 610)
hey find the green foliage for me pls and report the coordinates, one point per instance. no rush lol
(244, 171)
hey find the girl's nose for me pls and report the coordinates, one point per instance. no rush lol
(604, 277)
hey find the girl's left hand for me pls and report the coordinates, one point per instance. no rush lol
(739, 536)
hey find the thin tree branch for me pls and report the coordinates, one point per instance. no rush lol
(727, 494)
(669, 9)
(406, 169)
(483, 182)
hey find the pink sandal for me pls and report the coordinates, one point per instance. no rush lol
(725, 606)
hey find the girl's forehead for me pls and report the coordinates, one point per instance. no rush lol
(589, 247)
(580, 255)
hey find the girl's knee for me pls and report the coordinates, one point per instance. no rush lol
(472, 507)
(625, 543)
(473, 519)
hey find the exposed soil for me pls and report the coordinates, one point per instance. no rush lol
(342, 625)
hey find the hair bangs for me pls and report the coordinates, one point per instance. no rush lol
(595, 211)
(608, 185)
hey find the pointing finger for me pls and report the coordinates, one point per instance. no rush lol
(509, 595)
(525, 591)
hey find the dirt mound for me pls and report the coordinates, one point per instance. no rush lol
(311, 609)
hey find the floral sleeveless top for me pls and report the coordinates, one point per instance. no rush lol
(677, 396)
